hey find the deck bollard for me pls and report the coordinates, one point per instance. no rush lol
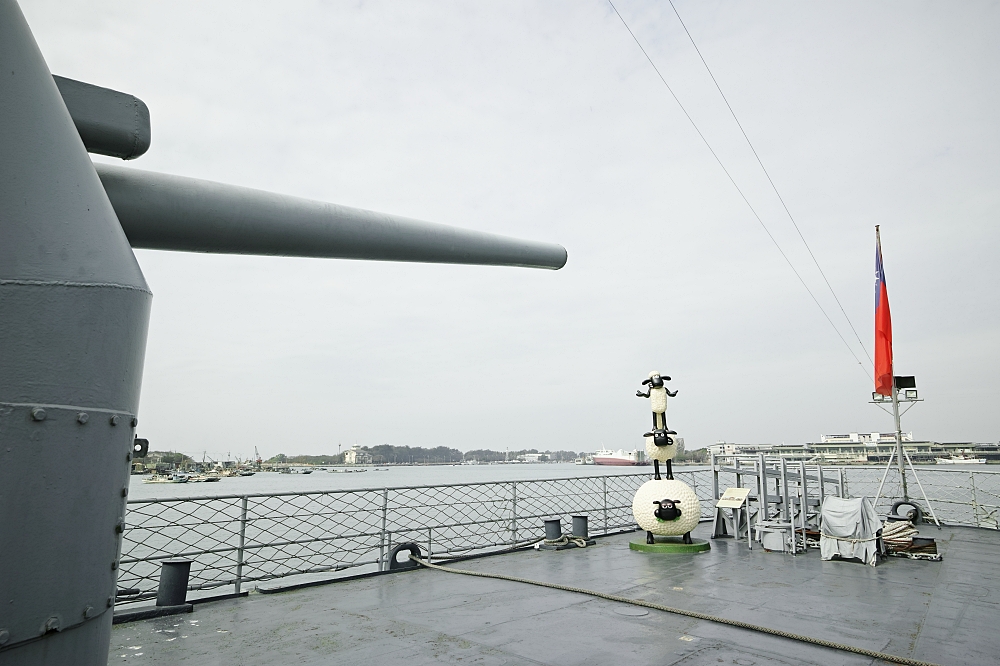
(553, 529)
(580, 527)
(173, 582)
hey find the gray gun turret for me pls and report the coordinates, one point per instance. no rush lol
(75, 312)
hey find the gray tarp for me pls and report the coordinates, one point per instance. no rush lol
(848, 528)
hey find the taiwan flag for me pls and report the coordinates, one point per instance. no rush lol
(883, 326)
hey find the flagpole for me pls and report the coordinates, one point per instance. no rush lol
(895, 405)
(899, 437)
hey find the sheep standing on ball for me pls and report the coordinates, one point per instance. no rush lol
(660, 445)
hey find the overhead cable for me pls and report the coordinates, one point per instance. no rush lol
(739, 190)
(773, 186)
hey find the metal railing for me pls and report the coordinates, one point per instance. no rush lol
(237, 539)
(967, 497)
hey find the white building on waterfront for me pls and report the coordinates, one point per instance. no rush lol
(855, 448)
(355, 456)
(865, 437)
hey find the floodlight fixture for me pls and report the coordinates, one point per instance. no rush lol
(911, 394)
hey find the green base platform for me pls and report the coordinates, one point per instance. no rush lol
(669, 545)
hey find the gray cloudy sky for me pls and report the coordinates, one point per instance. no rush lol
(544, 120)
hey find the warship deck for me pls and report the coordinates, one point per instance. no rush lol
(942, 612)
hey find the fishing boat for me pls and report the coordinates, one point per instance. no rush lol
(203, 478)
(620, 457)
(166, 478)
(960, 460)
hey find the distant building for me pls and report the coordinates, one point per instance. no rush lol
(855, 448)
(355, 456)
(865, 437)
(533, 457)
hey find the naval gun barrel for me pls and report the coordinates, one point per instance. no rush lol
(165, 212)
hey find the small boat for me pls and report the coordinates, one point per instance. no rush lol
(203, 478)
(166, 478)
(585, 460)
(960, 460)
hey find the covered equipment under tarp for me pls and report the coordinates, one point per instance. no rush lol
(849, 528)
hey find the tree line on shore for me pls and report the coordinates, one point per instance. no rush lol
(386, 454)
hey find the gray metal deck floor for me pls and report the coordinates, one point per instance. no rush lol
(942, 612)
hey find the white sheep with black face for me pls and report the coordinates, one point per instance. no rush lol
(666, 507)
(661, 453)
(660, 446)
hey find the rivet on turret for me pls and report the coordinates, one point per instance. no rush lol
(114, 420)
(88, 612)
(82, 418)
(4, 636)
(38, 414)
(135, 421)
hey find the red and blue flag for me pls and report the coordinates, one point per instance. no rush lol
(883, 326)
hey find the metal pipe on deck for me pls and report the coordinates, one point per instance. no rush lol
(164, 212)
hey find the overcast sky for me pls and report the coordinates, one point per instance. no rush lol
(544, 120)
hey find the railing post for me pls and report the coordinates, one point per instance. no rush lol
(381, 536)
(513, 515)
(843, 484)
(975, 503)
(243, 538)
(430, 544)
(604, 487)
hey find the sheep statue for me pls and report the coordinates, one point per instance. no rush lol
(664, 507)
(659, 445)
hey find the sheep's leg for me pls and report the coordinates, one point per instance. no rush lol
(656, 423)
(687, 538)
(649, 538)
(656, 470)
(670, 471)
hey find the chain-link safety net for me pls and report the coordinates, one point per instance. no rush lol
(232, 540)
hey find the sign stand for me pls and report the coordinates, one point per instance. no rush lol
(734, 499)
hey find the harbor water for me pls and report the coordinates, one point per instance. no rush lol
(353, 478)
